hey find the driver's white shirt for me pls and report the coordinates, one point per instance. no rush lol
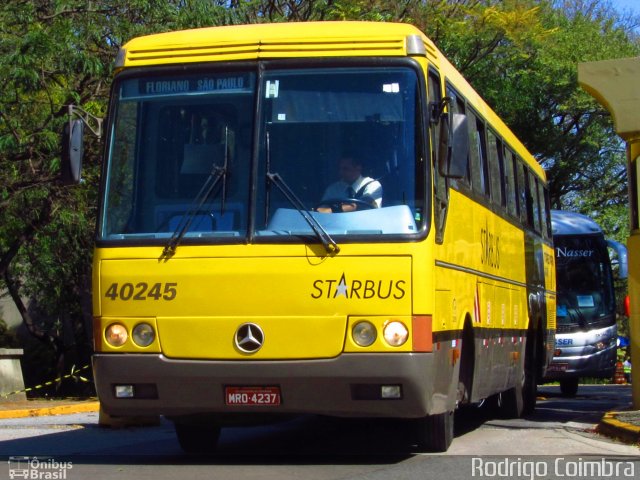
(339, 190)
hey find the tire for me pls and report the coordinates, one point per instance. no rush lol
(435, 432)
(530, 385)
(512, 402)
(465, 382)
(197, 439)
(569, 387)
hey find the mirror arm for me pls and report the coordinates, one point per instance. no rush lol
(94, 123)
(621, 251)
(437, 109)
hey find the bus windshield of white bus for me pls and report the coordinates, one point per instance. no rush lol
(194, 153)
(585, 282)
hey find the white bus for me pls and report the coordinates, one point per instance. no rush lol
(586, 333)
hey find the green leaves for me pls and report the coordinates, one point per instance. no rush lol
(522, 56)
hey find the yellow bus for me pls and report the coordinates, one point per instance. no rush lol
(314, 218)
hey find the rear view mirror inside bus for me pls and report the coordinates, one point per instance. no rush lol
(72, 151)
(453, 152)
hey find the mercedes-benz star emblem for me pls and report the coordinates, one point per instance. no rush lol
(249, 338)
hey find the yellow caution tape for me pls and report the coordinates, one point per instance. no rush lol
(73, 374)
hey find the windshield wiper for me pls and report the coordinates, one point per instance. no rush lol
(329, 243)
(217, 173)
(274, 178)
(578, 315)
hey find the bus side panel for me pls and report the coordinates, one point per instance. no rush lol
(540, 302)
(446, 347)
(503, 371)
(483, 254)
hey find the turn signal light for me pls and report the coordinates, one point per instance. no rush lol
(116, 335)
(396, 333)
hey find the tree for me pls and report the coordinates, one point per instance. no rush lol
(53, 54)
(522, 56)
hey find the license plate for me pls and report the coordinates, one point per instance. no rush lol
(558, 367)
(266, 396)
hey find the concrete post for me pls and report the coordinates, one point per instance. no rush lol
(11, 374)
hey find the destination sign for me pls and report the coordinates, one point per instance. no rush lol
(154, 87)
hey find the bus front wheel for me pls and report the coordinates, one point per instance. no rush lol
(197, 439)
(512, 402)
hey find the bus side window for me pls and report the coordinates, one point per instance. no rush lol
(457, 105)
(440, 182)
(520, 191)
(535, 200)
(479, 170)
(527, 197)
(511, 197)
(462, 109)
(495, 168)
(541, 215)
(547, 214)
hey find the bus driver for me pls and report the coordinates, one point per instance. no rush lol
(352, 185)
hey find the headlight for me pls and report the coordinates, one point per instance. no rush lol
(116, 335)
(143, 334)
(364, 334)
(396, 333)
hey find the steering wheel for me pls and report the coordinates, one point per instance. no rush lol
(337, 205)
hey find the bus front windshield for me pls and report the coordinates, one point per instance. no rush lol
(584, 281)
(200, 152)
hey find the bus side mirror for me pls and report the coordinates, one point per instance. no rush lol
(621, 252)
(453, 151)
(72, 151)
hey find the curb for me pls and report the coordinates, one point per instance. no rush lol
(45, 411)
(612, 427)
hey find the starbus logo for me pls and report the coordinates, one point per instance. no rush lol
(489, 247)
(364, 289)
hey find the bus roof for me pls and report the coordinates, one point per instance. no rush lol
(572, 223)
(270, 40)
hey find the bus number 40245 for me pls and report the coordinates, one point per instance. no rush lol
(142, 291)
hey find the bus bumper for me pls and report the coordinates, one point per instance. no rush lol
(598, 365)
(346, 386)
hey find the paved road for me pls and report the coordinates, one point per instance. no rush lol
(561, 431)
